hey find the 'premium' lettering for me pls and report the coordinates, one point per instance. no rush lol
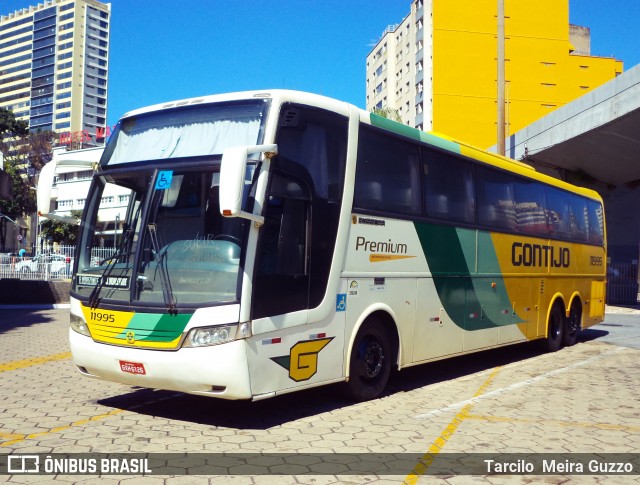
(362, 244)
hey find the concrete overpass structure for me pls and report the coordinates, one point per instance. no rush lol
(595, 142)
(597, 134)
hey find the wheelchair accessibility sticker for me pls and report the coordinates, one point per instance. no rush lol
(341, 302)
(164, 179)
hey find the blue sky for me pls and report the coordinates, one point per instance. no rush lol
(163, 50)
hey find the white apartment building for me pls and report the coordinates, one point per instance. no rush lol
(71, 186)
(399, 69)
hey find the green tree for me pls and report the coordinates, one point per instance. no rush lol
(61, 232)
(24, 154)
(10, 128)
(390, 113)
(21, 201)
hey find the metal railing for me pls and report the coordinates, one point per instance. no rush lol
(622, 284)
(46, 267)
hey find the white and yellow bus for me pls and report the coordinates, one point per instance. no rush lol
(278, 240)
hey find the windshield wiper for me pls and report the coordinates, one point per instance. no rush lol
(94, 297)
(165, 281)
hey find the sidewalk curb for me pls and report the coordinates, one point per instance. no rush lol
(36, 306)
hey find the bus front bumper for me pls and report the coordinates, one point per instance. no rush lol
(217, 371)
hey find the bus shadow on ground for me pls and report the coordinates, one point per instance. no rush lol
(12, 319)
(286, 408)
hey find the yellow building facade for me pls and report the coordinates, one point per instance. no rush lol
(443, 66)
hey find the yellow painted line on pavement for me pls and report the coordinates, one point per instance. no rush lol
(439, 443)
(556, 422)
(24, 363)
(14, 438)
(522, 384)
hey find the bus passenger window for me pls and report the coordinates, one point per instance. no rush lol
(496, 205)
(531, 214)
(595, 221)
(448, 187)
(387, 174)
(568, 216)
(578, 218)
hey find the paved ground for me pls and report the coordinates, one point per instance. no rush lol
(583, 399)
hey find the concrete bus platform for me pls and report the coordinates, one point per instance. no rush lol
(512, 402)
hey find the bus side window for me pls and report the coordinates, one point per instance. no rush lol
(496, 205)
(578, 218)
(387, 174)
(595, 220)
(531, 213)
(568, 215)
(448, 187)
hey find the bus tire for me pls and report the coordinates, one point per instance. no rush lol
(555, 328)
(573, 323)
(370, 363)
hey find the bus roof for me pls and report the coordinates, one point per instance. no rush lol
(444, 142)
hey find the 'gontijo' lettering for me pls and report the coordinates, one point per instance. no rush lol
(525, 254)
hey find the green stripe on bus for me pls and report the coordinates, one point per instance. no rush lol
(155, 327)
(404, 130)
(472, 301)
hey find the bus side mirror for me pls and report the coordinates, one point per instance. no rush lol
(232, 179)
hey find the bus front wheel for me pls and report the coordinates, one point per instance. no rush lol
(370, 363)
(555, 328)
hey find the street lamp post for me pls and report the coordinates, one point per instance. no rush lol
(501, 78)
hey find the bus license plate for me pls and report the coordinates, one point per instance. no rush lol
(132, 367)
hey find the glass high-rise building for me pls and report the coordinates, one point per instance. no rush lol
(54, 66)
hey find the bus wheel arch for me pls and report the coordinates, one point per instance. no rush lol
(372, 355)
(573, 321)
(556, 325)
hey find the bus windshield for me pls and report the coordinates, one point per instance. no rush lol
(173, 248)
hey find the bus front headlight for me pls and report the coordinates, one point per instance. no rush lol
(202, 337)
(78, 324)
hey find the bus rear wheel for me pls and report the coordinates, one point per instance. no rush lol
(572, 324)
(555, 328)
(370, 363)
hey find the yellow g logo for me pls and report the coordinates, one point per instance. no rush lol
(302, 361)
(131, 337)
